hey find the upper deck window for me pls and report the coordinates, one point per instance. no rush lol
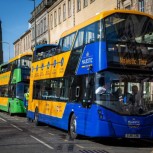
(44, 52)
(5, 68)
(26, 61)
(66, 42)
(87, 35)
(129, 28)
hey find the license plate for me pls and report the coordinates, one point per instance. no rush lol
(132, 135)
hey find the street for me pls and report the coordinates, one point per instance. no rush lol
(17, 135)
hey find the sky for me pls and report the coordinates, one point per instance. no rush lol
(14, 15)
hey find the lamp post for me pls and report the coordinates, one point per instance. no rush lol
(8, 46)
(35, 21)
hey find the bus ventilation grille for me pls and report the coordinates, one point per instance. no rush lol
(93, 151)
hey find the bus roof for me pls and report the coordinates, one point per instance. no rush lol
(101, 16)
(3, 64)
(45, 45)
(20, 55)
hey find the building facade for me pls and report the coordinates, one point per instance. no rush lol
(140, 5)
(52, 17)
(1, 44)
(23, 44)
(64, 14)
(39, 23)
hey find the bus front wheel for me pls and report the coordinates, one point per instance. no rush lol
(72, 127)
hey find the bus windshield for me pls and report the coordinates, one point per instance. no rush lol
(129, 27)
(129, 40)
(130, 94)
(21, 88)
(25, 61)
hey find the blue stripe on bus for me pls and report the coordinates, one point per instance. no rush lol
(94, 55)
(90, 124)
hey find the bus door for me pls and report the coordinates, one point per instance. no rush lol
(81, 93)
(37, 95)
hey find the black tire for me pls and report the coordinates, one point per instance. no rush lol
(29, 120)
(72, 127)
(37, 123)
(9, 110)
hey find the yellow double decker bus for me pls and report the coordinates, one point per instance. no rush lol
(89, 84)
(14, 82)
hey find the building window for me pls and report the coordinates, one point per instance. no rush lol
(92, 1)
(33, 33)
(38, 29)
(41, 27)
(55, 18)
(85, 3)
(128, 7)
(78, 5)
(64, 12)
(51, 21)
(69, 8)
(141, 5)
(59, 15)
(44, 24)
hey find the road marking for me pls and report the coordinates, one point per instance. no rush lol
(16, 127)
(41, 129)
(45, 144)
(51, 133)
(79, 146)
(3, 119)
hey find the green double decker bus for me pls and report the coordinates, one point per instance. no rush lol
(14, 82)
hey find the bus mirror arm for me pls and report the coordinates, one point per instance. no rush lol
(77, 91)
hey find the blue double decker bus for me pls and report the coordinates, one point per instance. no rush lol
(98, 82)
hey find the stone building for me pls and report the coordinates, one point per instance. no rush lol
(64, 14)
(52, 17)
(39, 19)
(23, 44)
(1, 44)
(140, 5)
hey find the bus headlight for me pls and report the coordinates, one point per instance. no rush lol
(100, 113)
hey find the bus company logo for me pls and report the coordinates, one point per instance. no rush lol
(87, 61)
(87, 54)
(54, 63)
(42, 66)
(62, 61)
(58, 108)
(48, 65)
(134, 123)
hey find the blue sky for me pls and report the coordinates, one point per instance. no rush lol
(14, 15)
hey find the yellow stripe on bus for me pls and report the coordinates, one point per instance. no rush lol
(4, 78)
(50, 108)
(52, 67)
(3, 101)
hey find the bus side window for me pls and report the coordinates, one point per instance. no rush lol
(66, 42)
(13, 91)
